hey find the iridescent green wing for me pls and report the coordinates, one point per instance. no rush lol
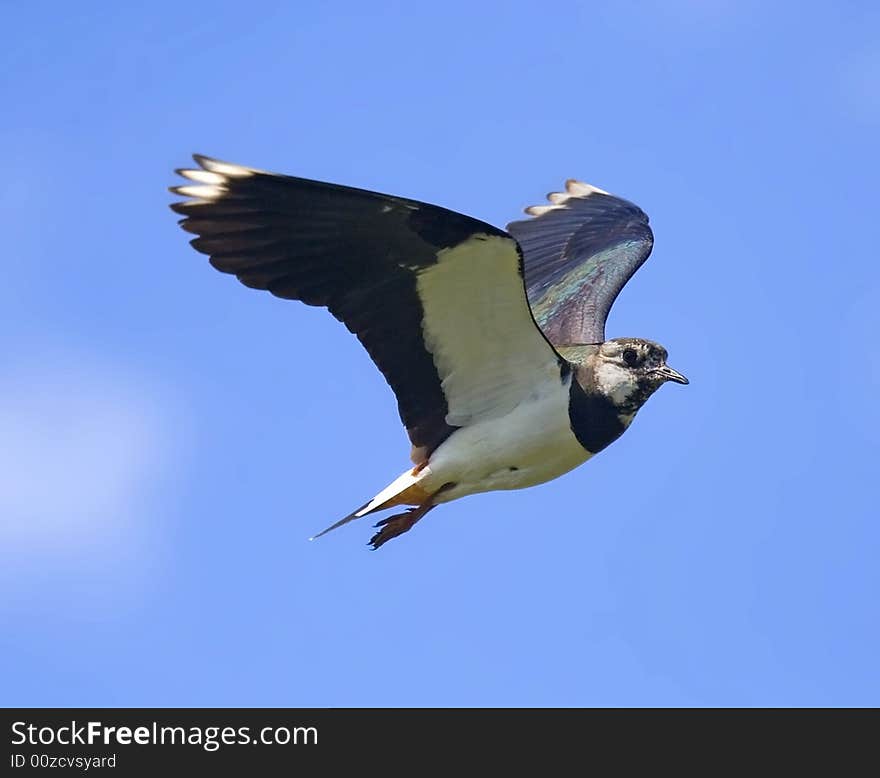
(578, 252)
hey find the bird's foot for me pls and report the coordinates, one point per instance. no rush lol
(397, 525)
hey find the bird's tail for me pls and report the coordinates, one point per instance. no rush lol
(404, 490)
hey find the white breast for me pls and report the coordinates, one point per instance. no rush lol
(531, 444)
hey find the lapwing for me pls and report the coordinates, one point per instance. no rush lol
(492, 340)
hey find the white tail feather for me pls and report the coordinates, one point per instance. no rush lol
(398, 485)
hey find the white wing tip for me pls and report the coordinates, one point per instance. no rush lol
(573, 189)
(202, 176)
(540, 210)
(577, 188)
(211, 179)
(224, 169)
(201, 192)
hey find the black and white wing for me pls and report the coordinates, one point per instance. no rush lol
(579, 251)
(436, 298)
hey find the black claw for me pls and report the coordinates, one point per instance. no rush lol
(384, 522)
(378, 540)
(396, 525)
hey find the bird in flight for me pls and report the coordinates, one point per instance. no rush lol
(493, 341)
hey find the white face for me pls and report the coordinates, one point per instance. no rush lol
(625, 368)
(615, 380)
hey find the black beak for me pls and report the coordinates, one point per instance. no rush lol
(668, 374)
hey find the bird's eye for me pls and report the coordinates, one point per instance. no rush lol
(630, 357)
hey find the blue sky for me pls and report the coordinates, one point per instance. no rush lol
(171, 439)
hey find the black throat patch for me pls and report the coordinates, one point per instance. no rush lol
(593, 418)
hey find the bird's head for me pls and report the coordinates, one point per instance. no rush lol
(628, 371)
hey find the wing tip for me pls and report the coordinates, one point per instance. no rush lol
(539, 210)
(200, 192)
(210, 181)
(225, 169)
(577, 188)
(574, 189)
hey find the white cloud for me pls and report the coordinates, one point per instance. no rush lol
(84, 446)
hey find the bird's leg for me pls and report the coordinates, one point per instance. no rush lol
(398, 524)
(403, 522)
